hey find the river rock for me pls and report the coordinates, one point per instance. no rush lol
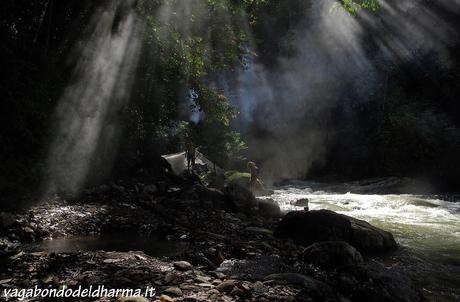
(174, 291)
(269, 208)
(301, 202)
(331, 254)
(183, 265)
(367, 237)
(226, 286)
(28, 230)
(306, 228)
(173, 278)
(166, 298)
(240, 198)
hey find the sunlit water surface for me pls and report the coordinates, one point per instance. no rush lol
(427, 227)
(424, 223)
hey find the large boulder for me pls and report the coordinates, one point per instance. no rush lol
(331, 254)
(240, 199)
(269, 208)
(306, 228)
(367, 237)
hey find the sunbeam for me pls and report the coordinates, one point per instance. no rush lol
(86, 115)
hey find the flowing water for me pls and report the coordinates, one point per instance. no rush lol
(427, 227)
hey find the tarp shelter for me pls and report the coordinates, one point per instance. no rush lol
(178, 162)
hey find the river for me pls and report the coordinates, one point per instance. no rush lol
(427, 227)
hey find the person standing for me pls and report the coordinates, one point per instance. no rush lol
(254, 178)
(191, 156)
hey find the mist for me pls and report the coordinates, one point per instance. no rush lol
(286, 107)
(335, 60)
(87, 115)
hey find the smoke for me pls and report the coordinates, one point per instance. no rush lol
(87, 112)
(286, 109)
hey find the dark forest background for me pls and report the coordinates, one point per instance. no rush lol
(407, 126)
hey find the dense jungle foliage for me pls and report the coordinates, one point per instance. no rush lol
(413, 132)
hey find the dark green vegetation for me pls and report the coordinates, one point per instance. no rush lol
(410, 126)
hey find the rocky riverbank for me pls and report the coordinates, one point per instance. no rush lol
(234, 247)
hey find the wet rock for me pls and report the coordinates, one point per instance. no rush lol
(213, 294)
(226, 286)
(306, 228)
(166, 298)
(7, 247)
(17, 256)
(301, 202)
(188, 287)
(182, 265)
(173, 278)
(269, 208)
(331, 254)
(205, 285)
(259, 287)
(241, 290)
(237, 292)
(218, 275)
(367, 237)
(5, 281)
(28, 230)
(174, 291)
(240, 199)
